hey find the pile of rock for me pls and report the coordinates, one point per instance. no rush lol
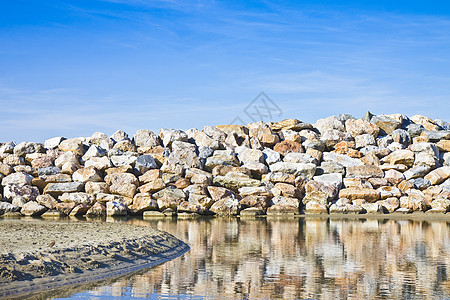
(377, 164)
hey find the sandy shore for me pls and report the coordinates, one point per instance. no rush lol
(40, 255)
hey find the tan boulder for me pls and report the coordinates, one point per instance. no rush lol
(357, 127)
(370, 195)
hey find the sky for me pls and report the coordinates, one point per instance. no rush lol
(71, 68)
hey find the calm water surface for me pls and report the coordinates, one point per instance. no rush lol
(310, 258)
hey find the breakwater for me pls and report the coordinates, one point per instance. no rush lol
(338, 165)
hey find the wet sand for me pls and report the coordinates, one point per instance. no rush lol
(40, 255)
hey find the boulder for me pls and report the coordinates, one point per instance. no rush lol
(282, 210)
(394, 177)
(235, 180)
(116, 208)
(59, 188)
(75, 145)
(28, 192)
(87, 174)
(370, 195)
(98, 209)
(284, 200)
(143, 202)
(47, 201)
(341, 159)
(357, 127)
(275, 177)
(6, 207)
(226, 207)
(25, 148)
(390, 204)
(19, 179)
(286, 147)
(425, 122)
(319, 192)
(374, 208)
(33, 208)
(437, 176)
(78, 198)
(255, 201)
(298, 169)
(221, 157)
(271, 156)
(386, 123)
(314, 207)
(95, 188)
(364, 172)
(145, 138)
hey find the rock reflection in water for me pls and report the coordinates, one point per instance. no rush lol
(301, 258)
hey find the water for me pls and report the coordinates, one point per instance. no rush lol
(304, 258)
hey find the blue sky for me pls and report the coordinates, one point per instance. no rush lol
(71, 68)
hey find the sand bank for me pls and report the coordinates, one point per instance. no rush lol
(37, 255)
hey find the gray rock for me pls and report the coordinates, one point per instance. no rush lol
(315, 144)
(374, 208)
(441, 123)
(283, 200)
(48, 171)
(416, 172)
(8, 207)
(144, 163)
(204, 152)
(401, 136)
(19, 201)
(200, 138)
(415, 130)
(331, 137)
(271, 156)
(436, 136)
(59, 188)
(420, 183)
(185, 155)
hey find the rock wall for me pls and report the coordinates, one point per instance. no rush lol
(377, 164)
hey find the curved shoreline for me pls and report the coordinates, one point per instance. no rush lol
(99, 257)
